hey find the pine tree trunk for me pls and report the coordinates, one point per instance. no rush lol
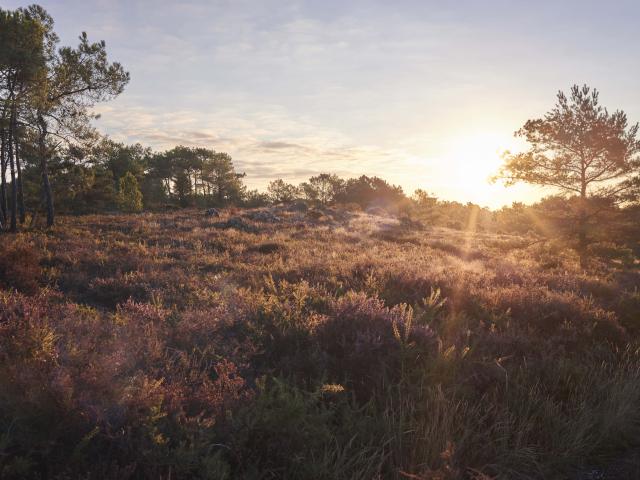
(3, 181)
(582, 227)
(21, 209)
(14, 190)
(46, 185)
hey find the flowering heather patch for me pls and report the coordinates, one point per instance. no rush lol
(160, 346)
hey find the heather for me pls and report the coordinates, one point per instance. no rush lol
(335, 344)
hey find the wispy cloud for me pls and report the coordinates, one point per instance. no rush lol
(295, 87)
(264, 151)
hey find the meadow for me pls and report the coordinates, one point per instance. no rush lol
(321, 344)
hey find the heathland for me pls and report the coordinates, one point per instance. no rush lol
(313, 344)
(170, 323)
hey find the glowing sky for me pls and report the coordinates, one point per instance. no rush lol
(422, 93)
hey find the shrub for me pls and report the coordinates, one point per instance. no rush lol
(292, 433)
(111, 291)
(129, 195)
(266, 248)
(20, 265)
(365, 341)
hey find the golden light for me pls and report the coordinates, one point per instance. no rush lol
(471, 161)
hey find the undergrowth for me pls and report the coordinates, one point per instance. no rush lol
(157, 346)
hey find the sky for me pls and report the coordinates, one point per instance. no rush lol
(425, 94)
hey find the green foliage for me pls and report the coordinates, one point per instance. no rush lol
(79, 187)
(198, 175)
(129, 196)
(577, 135)
(323, 188)
(281, 192)
(21, 46)
(582, 151)
(255, 198)
(370, 192)
(300, 434)
(222, 183)
(49, 91)
(182, 188)
(121, 159)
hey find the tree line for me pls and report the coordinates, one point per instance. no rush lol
(109, 176)
(49, 150)
(46, 93)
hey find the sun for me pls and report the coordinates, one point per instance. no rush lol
(472, 160)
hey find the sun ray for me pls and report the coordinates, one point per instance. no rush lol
(472, 160)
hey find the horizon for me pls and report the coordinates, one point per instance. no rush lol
(422, 94)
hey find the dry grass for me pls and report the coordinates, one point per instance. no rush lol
(344, 345)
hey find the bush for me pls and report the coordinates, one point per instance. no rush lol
(296, 434)
(366, 342)
(129, 196)
(20, 265)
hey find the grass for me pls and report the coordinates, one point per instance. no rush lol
(347, 346)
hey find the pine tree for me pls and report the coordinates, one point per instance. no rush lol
(129, 196)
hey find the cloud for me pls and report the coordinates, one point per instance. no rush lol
(266, 144)
(300, 87)
(278, 145)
